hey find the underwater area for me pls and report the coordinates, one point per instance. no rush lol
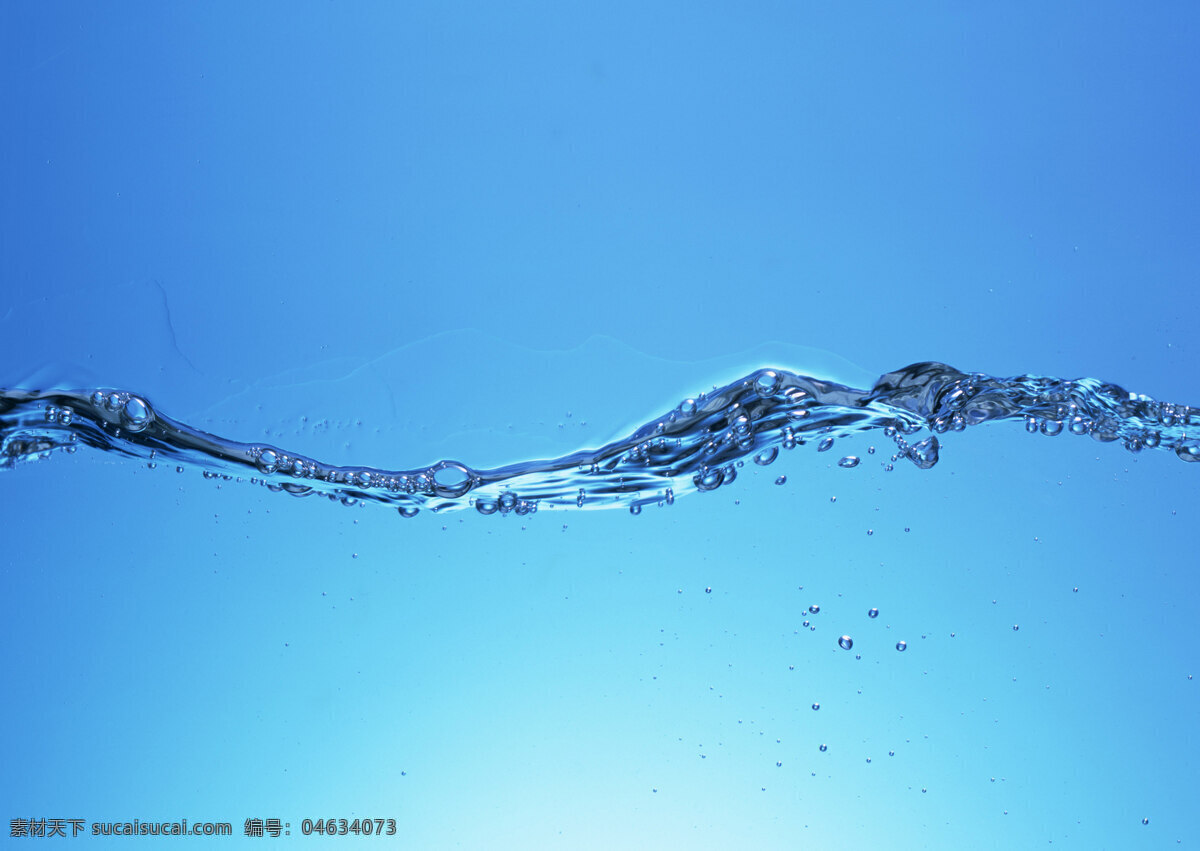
(564, 427)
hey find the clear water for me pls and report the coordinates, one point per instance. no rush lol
(565, 248)
(699, 445)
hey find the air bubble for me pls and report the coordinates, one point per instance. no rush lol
(268, 461)
(782, 480)
(451, 480)
(135, 414)
(766, 384)
(823, 748)
(635, 509)
(825, 445)
(849, 461)
(408, 512)
(486, 506)
(872, 612)
(845, 642)
(816, 706)
(765, 457)
(901, 646)
(1051, 428)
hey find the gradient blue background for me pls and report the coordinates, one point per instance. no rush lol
(388, 235)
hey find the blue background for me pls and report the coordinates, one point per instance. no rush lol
(386, 235)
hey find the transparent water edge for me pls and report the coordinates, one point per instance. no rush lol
(698, 445)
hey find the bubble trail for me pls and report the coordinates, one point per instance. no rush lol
(695, 446)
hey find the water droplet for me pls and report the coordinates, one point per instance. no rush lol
(407, 512)
(635, 509)
(507, 502)
(687, 407)
(778, 764)
(901, 646)
(872, 613)
(845, 642)
(782, 480)
(825, 444)
(1016, 627)
(816, 706)
(824, 748)
(708, 590)
(486, 506)
(849, 461)
(1145, 821)
(814, 608)
(868, 759)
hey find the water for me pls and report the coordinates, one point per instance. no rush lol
(429, 262)
(697, 446)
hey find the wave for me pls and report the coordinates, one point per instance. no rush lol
(697, 446)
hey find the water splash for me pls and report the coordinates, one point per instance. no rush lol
(696, 446)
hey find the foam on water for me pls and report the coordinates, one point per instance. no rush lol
(698, 445)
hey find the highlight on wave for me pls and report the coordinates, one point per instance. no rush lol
(697, 446)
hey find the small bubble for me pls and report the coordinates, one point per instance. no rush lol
(845, 642)
(825, 445)
(870, 531)
(824, 748)
(891, 753)
(778, 764)
(407, 512)
(833, 499)
(872, 612)
(868, 759)
(1145, 821)
(1076, 589)
(708, 590)
(849, 461)
(635, 509)
(816, 706)
(782, 480)
(814, 608)
(1016, 627)
(901, 646)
